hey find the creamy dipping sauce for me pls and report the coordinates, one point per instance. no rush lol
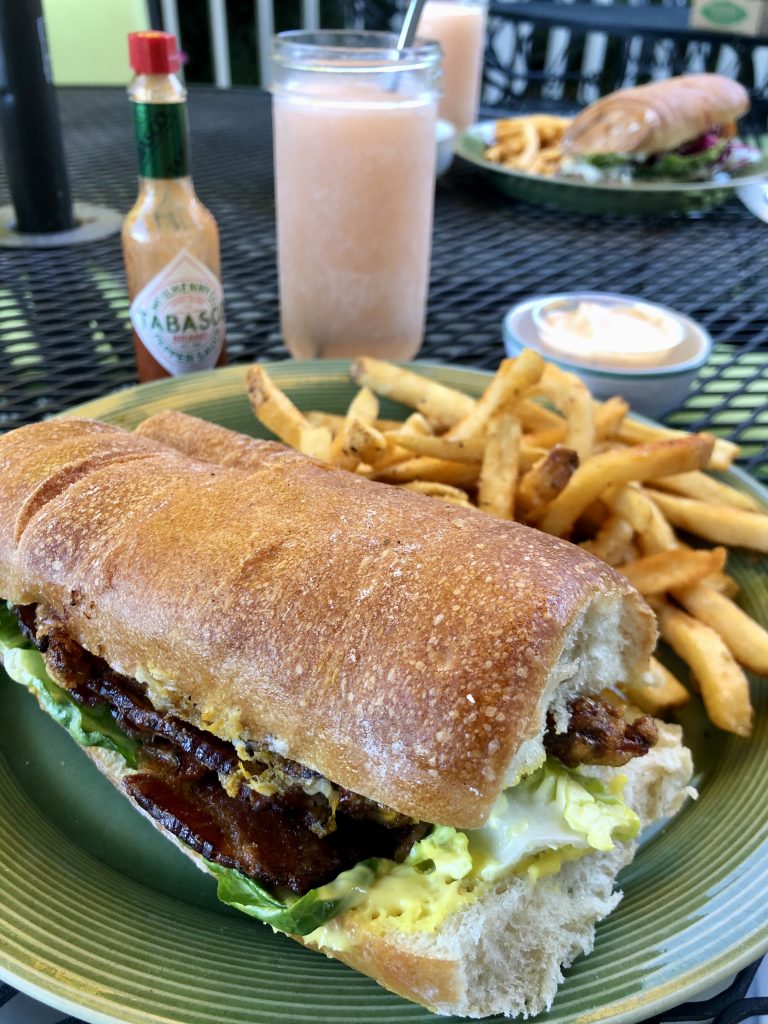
(628, 335)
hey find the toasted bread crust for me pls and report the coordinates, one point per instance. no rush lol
(656, 117)
(396, 646)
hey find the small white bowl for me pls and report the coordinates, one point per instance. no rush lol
(651, 390)
(445, 134)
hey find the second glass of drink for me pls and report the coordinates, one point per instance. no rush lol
(459, 27)
(354, 126)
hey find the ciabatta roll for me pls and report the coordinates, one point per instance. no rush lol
(656, 117)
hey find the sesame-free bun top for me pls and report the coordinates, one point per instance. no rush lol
(655, 117)
(404, 649)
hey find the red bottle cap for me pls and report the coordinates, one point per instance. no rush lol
(153, 53)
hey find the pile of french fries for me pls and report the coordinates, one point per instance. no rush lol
(529, 144)
(536, 447)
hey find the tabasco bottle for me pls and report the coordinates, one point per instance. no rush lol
(170, 240)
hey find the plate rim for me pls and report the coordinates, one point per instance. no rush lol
(476, 132)
(636, 1007)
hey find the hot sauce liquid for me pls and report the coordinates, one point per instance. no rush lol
(166, 219)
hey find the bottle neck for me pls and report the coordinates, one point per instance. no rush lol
(161, 139)
(160, 125)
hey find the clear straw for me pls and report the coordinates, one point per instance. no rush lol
(410, 24)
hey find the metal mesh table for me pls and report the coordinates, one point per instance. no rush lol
(64, 329)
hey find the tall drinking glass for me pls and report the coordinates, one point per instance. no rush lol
(354, 127)
(459, 28)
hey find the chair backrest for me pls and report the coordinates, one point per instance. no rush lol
(602, 47)
(219, 32)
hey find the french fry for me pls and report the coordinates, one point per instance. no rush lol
(529, 456)
(631, 553)
(548, 437)
(546, 161)
(628, 501)
(361, 414)
(363, 442)
(657, 535)
(445, 492)
(665, 694)
(746, 639)
(633, 432)
(620, 466)
(722, 524)
(705, 488)
(317, 442)
(529, 143)
(546, 478)
(416, 426)
(364, 407)
(611, 540)
(512, 379)
(550, 126)
(608, 416)
(723, 584)
(500, 467)
(570, 395)
(533, 416)
(517, 143)
(334, 422)
(358, 440)
(470, 450)
(274, 409)
(442, 406)
(424, 467)
(656, 574)
(724, 687)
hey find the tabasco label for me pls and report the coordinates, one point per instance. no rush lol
(179, 316)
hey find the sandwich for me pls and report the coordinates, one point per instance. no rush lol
(681, 128)
(378, 722)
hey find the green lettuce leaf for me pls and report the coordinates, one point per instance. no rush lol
(605, 161)
(553, 808)
(90, 727)
(10, 634)
(673, 165)
(668, 165)
(296, 916)
(598, 814)
(586, 805)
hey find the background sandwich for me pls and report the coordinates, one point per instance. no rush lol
(285, 671)
(682, 127)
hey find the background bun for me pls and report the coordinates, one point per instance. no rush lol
(655, 117)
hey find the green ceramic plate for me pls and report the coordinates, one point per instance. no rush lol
(640, 199)
(102, 917)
